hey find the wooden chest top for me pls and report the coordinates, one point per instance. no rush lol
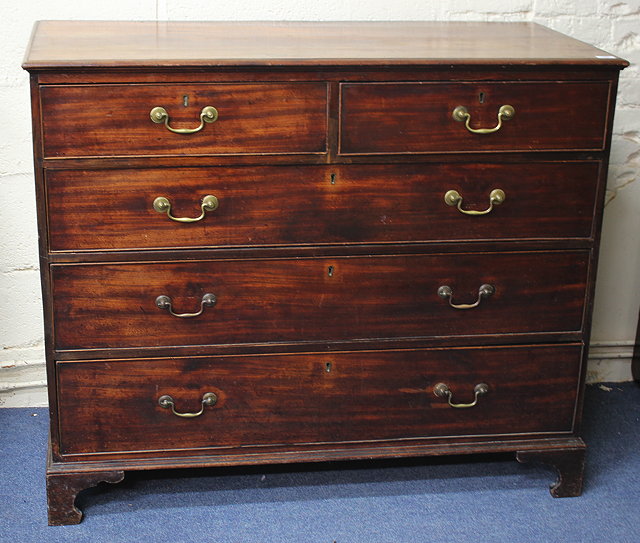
(103, 45)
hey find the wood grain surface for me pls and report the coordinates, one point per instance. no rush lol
(300, 205)
(372, 395)
(102, 44)
(417, 117)
(114, 120)
(291, 300)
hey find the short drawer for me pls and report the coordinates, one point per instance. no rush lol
(117, 120)
(316, 299)
(297, 205)
(314, 398)
(380, 118)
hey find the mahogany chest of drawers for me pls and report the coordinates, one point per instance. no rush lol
(293, 242)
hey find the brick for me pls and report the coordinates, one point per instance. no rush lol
(20, 308)
(626, 121)
(628, 92)
(18, 230)
(630, 7)
(615, 315)
(278, 10)
(624, 150)
(572, 8)
(559, 24)
(15, 147)
(626, 34)
(593, 30)
(476, 9)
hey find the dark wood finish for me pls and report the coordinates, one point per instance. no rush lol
(52, 164)
(62, 490)
(417, 117)
(332, 250)
(47, 306)
(391, 73)
(333, 151)
(569, 464)
(283, 454)
(253, 119)
(285, 300)
(334, 74)
(314, 398)
(112, 209)
(323, 345)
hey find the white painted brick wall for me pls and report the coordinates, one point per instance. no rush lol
(613, 25)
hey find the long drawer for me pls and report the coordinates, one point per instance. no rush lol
(405, 118)
(119, 120)
(316, 299)
(110, 406)
(114, 209)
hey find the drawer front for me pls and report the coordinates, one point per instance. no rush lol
(115, 120)
(384, 118)
(113, 209)
(295, 300)
(314, 398)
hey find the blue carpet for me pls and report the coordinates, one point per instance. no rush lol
(442, 500)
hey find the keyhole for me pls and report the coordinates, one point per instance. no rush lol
(330, 271)
(327, 367)
(481, 97)
(333, 178)
(185, 100)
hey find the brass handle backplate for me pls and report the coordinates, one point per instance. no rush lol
(461, 114)
(164, 302)
(208, 399)
(159, 115)
(163, 205)
(453, 198)
(484, 291)
(443, 391)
